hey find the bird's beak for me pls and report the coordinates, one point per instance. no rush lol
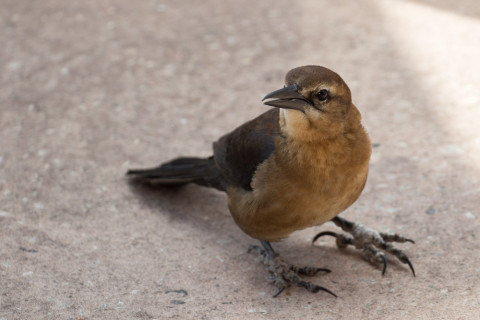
(287, 98)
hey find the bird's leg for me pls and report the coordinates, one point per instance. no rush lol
(282, 274)
(368, 240)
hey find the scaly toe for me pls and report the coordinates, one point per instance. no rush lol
(311, 271)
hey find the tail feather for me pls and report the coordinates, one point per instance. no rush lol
(182, 171)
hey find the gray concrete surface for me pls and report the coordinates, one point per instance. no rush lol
(91, 88)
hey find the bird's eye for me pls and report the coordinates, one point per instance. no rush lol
(323, 95)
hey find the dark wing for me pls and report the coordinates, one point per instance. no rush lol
(238, 153)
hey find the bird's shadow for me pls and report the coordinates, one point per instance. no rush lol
(203, 208)
(206, 211)
(179, 202)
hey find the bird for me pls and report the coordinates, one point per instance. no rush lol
(295, 166)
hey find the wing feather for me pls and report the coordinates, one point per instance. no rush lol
(239, 153)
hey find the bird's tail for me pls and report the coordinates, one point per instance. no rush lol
(180, 171)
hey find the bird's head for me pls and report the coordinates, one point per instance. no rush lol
(315, 103)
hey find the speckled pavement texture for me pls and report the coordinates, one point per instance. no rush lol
(91, 88)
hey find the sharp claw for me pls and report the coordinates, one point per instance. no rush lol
(318, 288)
(410, 240)
(328, 291)
(278, 292)
(411, 266)
(384, 259)
(324, 233)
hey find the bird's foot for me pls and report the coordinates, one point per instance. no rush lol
(370, 241)
(283, 274)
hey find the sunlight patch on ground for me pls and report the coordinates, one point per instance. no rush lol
(443, 48)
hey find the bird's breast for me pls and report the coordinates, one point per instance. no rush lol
(295, 189)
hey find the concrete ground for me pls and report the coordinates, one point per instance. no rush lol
(91, 88)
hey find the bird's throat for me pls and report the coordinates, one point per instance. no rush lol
(295, 124)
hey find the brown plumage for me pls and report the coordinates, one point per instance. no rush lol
(293, 167)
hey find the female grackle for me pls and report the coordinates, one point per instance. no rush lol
(293, 167)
